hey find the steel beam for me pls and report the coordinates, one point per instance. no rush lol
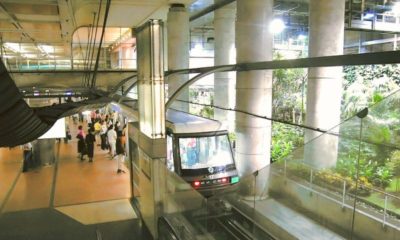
(389, 57)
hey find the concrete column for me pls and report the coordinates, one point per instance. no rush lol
(324, 89)
(178, 51)
(253, 88)
(151, 138)
(224, 51)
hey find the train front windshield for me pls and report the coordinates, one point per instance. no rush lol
(205, 152)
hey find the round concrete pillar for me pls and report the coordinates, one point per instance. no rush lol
(253, 88)
(178, 51)
(324, 86)
(224, 53)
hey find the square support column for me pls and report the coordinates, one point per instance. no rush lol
(151, 139)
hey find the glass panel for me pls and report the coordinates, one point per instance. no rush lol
(379, 171)
(170, 154)
(204, 152)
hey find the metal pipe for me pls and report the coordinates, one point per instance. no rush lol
(384, 211)
(210, 9)
(344, 193)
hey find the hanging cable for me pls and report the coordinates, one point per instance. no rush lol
(71, 13)
(293, 124)
(96, 66)
(256, 115)
(94, 43)
(86, 58)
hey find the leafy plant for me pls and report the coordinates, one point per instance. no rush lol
(394, 164)
(207, 112)
(285, 139)
(288, 90)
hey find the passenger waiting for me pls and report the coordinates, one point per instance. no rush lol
(27, 157)
(120, 148)
(90, 140)
(112, 138)
(82, 150)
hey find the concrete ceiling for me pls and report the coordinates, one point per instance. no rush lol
(40, 32)
(31, 24)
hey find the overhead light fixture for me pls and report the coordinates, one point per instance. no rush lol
(277, 26)
(29, 55)
(46, 48)
(15, 47)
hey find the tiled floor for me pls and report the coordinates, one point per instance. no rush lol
(93, 192)
(50, 224)
(32, 190)
(82, 182)
(100, 212)
(75, 182)
(10, 167)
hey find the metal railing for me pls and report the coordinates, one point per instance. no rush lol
(382, 210)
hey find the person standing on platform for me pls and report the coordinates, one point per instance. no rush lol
(27, 157)
(97, 128)
(89, 120)
(103, 135)
(90, 140)
(93, 116)
(112, 138)
(82, 150)
(80, 131)
(120, 148)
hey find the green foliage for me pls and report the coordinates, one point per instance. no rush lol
(232, 136)
(285, 139)
(288, 91)
(378, 175)
(394, 163)
(193, 93)
(329, 179)
(382, 177)
(207, 112)
(367, 85)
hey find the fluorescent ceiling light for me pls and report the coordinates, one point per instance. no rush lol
(30, 55)
(15, 47)
(46, 49)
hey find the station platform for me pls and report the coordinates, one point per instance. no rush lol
(70, 199)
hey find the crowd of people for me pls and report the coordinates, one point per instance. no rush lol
(108, 130)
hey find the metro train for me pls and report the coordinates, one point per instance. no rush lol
(199, 150)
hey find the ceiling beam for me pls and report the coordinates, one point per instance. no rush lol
(32, 20)
(66, 20)
(41, 2)
(14, 21)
